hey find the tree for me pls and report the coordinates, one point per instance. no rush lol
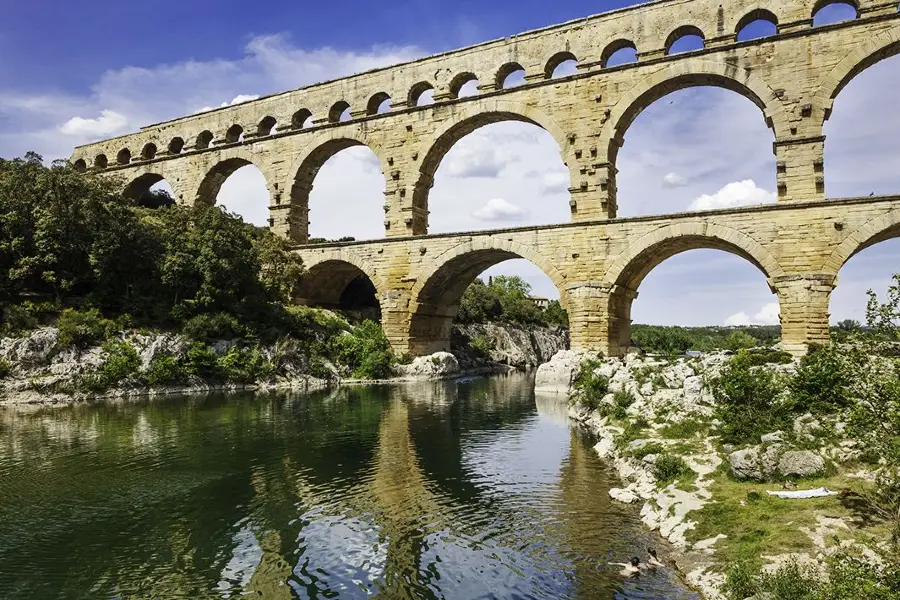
(885, 318)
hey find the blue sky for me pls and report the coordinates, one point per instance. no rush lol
(83, 71)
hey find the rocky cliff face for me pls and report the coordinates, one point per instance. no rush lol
(517, 346)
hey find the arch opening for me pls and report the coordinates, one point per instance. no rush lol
(379, 103)
(242, 190)
(510, 75)
(421, 94)
(829, 12)
(148, 152)
(300, 119)
(176, 145)
(124, 156)
(861, 130)
(339, 112)
(756, 24)
(492, 170)
(619, 52)
(80, 165)
(234, 134)
(100, 161)
(266, 126)
(464, 85)
(204, 139)
(150, 190)
(437, 301)
(561, 64)
(871, 267)
(693, 281)
(341, 286)
(338, 191)
(726, 166)
(687, 38)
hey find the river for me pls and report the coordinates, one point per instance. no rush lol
(467, 489)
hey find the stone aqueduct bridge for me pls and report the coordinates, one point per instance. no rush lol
(597, 261)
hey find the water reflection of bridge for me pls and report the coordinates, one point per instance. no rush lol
(403, 482)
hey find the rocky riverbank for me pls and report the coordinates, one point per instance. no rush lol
(38, 368)
(656, 426)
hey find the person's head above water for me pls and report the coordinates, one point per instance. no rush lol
(635, 561)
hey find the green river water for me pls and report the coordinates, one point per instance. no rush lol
(468, 489)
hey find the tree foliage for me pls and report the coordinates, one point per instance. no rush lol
(507, 299)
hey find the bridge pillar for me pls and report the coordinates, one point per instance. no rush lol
(800, 168)
(804, 300)
(600, 317)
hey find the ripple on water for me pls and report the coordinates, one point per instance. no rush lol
(468, 489)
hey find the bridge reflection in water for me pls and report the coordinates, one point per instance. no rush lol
(434, 490)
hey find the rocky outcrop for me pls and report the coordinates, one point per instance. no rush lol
(517, 346)
(435, 366)
(558, 375)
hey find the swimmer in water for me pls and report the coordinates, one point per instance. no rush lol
(654, 559)
(629, 569)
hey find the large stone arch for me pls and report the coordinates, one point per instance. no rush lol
(638, 259)
(303, 172)
(434, 299)
(463, 120)
(879, 229)
(863, 56)
(641, 256)
(684, 74)
(220, 166)
(327, 275)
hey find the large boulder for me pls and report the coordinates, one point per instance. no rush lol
(35, 349)
(800, 463)
(434, 366)
(559, 373)
(757, 462)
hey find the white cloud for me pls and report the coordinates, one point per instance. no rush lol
(478, 158)
(738, 193)
(108, 124)
(555, 182)
(673, 180)
(239, 99)
(498, 209)
(767, 315)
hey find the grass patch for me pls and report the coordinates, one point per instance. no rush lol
(758, 524)
(683, 430)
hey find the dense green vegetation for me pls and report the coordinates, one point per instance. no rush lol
(75, 253)
(658, 339)
(507, 299)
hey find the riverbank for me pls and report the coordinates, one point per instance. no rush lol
(43, 367)
(656, 423)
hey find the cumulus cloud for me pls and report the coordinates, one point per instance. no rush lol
(767, 315)
(239, 99)
(498, 209)
(555, 182)
(738, 193)
(674, 180)
(479, 158)
(109, 123)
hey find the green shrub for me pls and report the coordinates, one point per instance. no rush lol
(16, 318)
(648, 449)
(244, 365)
(621, 401)
(5, 368)
(822, 382)
(318, 369)
(83, 328)
(669, 467)
(683, 429)
(738, 340)
(202, 362)
(364, 351)
(588, 387)
(211, 327)
(122, 361)
(748, 401)
(756, 358)
(163, 370)
(481, 347)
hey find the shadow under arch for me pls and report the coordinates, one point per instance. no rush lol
(872, 51)
(307, 166)
(438, 290)
(461, 123)
(639, 258)
(673, 78)
(340, 281)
